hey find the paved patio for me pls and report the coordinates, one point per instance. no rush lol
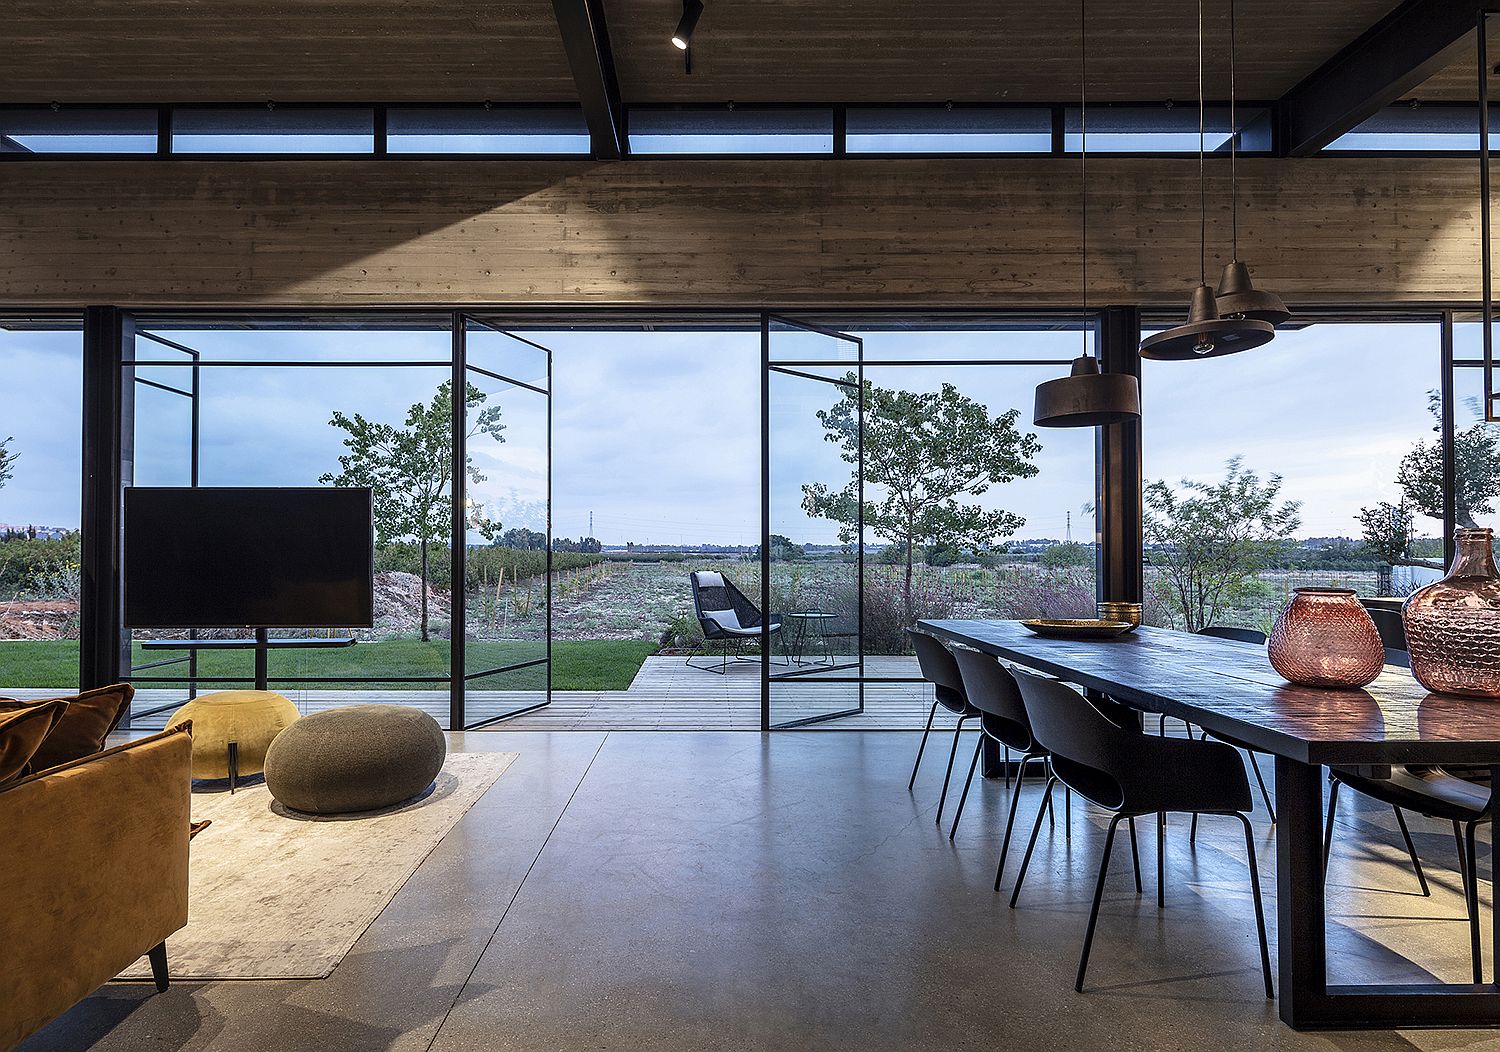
(665, 695)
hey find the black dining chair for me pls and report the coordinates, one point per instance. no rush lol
(1436, 793)
(1002, 719)
(941, 670)
(1244, 635)
(1132, 775)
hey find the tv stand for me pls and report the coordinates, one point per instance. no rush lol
(262, 644)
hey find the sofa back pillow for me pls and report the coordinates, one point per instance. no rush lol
(22, 732)
(85, 724)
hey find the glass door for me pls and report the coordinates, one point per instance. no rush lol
(504, 557)
(812, 535)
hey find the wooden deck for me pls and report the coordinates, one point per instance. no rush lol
(665, 695)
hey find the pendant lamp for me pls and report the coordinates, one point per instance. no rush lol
(1237, 295)
(1205, 334)
(1086, 397)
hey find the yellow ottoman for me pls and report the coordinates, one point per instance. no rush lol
(232, 730)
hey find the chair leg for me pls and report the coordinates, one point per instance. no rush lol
(1161, 860)
(1067, 813)
(1260, 780)
(1411, 851)
(1135, 856)
(1193, 831)
(1088, 935)
(1333, 803)
(1036, 829)
(1260, 916)
(158, 957)
(923, 745)
(1472, 895)
(964, 796)
(1010, 821)
(1006, 749)
(948, 777)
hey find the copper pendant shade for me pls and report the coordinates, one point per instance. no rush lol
(1205, 334)
(1239, 298)
(1088, 398)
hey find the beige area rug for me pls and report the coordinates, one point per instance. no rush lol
(277, 895)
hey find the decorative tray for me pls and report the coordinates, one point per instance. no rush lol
(1079, 628)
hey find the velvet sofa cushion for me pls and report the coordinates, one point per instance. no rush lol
(85, 724)
(22, 732)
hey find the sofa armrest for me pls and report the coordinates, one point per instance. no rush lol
(94, 867)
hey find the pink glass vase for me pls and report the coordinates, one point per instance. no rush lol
(1453, 625)
(1324, 638)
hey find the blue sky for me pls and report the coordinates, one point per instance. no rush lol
(657, 433)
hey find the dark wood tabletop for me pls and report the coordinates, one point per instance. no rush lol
(1230, 689)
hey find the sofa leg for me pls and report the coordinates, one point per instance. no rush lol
(158, 955)
(234, 767)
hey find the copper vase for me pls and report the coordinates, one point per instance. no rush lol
(1325, 638)
(1453, 625)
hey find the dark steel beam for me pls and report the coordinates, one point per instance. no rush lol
(1386, 63)
(1118, 507)
(586, 41)
(108, 396)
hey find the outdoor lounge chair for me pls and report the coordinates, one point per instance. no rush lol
(726, 616)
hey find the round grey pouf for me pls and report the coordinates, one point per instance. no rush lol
(359, 758)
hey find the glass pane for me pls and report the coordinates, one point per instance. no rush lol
(1477, 448)
(744, 129)
(815, 544)
(504, 693)
(78, 131)
(478, 129)
(1433, 127)
(285, 129)
(41, 463)
(498, 349)
(938, 129)
(1162, 129)
(792, 344)
(1312, 483)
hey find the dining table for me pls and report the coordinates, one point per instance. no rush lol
(1229, 689)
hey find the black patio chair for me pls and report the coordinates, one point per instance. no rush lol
(1133, 775)
(941, 670)
(726, 616)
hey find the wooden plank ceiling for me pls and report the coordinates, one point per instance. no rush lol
(746, 50)
(287, 50)
(972, 50)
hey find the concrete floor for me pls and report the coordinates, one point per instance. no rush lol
(728, 890)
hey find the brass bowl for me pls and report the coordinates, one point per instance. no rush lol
(1111, 611)
(1078, 628)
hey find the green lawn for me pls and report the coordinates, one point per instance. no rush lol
(577, 665)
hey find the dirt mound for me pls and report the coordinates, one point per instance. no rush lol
(398, 604)
(39, 619)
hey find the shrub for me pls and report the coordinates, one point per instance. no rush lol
(40, 568)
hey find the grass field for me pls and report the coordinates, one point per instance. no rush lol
(577, 665)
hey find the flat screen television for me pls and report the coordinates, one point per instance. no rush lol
(232, 557)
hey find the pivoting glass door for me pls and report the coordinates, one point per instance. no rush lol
(504, 490)
(812, 543)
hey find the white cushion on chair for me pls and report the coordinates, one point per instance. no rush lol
(710, 579)
(728, 620)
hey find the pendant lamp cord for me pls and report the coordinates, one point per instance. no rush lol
(1234, 136)
(1083, 164)
(1202, 168)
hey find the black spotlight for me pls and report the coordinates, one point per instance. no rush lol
(692, 10)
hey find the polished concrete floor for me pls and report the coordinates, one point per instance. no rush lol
(729, 890)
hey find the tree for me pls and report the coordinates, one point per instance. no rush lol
(7, 461)
(410, 467)
(922, 452)
(1068, 553)
(1476, 454)
(521, 537)
(1208, 540)
(1388, 530)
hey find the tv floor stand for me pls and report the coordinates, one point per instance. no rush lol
(262, 644)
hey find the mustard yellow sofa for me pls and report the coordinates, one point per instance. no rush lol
(93, 875)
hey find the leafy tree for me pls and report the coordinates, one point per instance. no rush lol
(7, 461)
(410, 467)
(1069, 553)
(521, 537)
(922, 453)
(1211, 538)
(1389, 530)
(1476, 451)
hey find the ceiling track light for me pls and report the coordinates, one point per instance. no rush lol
(1206, 333)
(1086, 397)
(692, 10)
(1237, 295)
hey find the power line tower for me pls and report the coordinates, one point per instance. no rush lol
(591, 524)
(1068, 536)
